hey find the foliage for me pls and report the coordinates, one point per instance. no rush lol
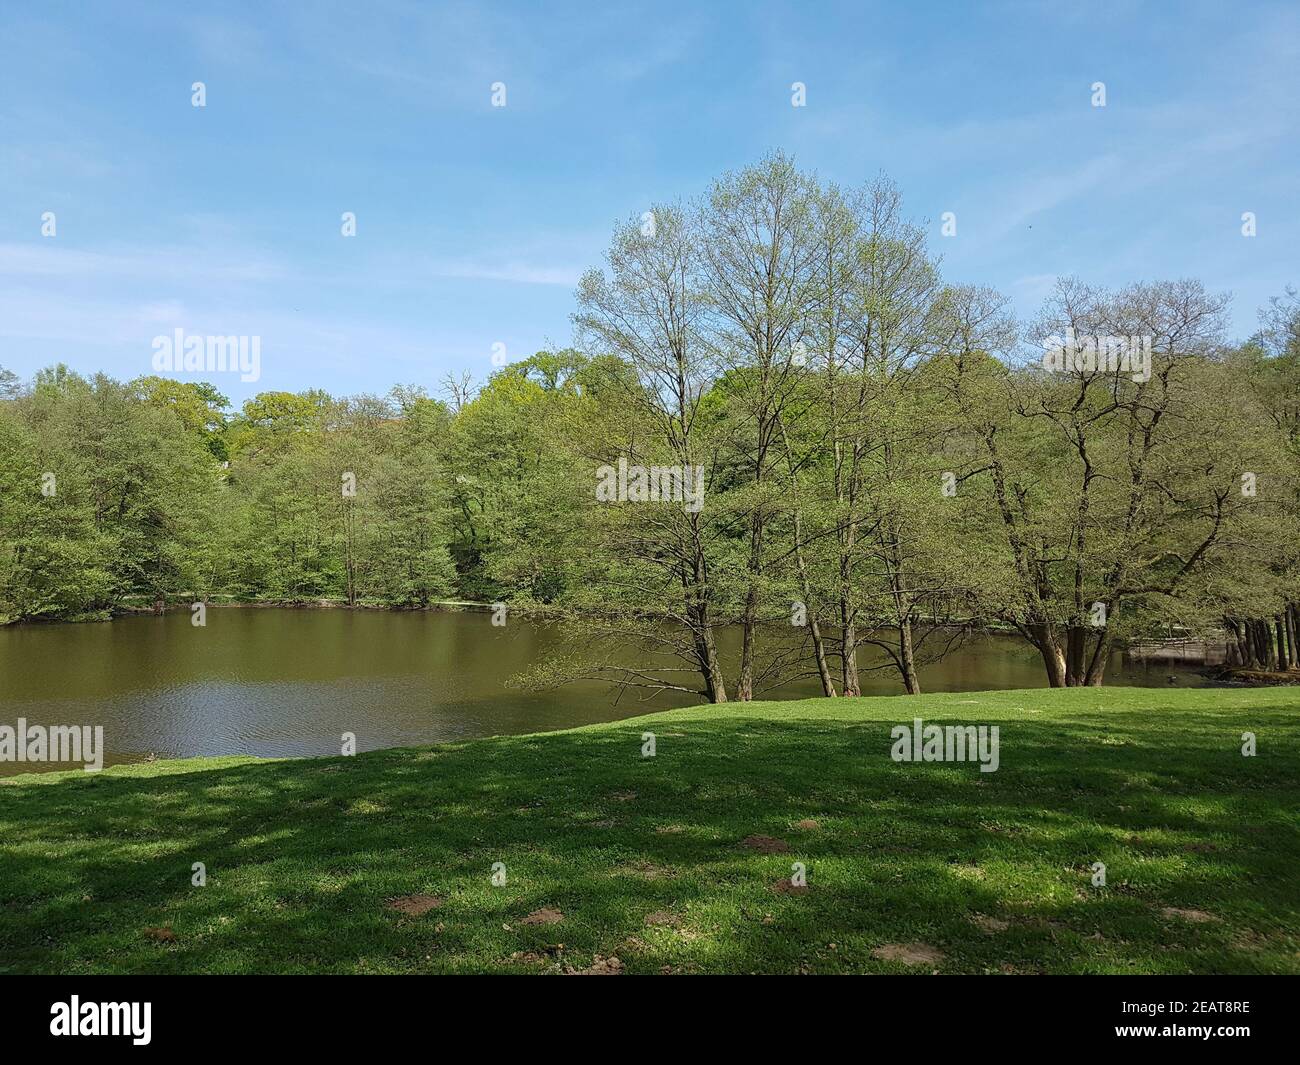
(886, 461)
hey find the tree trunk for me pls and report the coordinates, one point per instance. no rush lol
(911, 683)
(1042, 637)
(805, 586)
(1076, 643)
(745, 683)
(1231, 649)
(716, 684)
(749, 621)
(849, 651)
(1263, 645)
(819, 644)
(848, 622)
(1293, 633)
(706, 647)
(1096, 674)
(706, 654)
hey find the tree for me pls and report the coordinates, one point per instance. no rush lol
(757, 240)
(647, 310)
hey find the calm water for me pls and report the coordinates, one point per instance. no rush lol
(280, 683)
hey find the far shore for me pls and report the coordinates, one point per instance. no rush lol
(1215, 671)
(303, 604)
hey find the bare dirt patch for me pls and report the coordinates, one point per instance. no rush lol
(662, 919)
(529, 957)
(415, 905)
(909, 953)
(610, 966)
(543, 916)
(1250, 942)
(646, 871)
(1195, 916)
(766, 844)
(1018, 970)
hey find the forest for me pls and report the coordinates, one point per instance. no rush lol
(889, 460)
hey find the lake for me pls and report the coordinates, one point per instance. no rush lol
(283, 682)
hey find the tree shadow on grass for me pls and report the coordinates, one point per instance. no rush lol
(992, 870)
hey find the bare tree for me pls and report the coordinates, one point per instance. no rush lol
(459, 388)
(647, 310)
(756, 239)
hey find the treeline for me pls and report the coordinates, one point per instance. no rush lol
(887, 463)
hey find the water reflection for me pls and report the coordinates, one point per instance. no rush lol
(276, 683)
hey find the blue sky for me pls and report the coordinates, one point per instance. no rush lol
(474, 222)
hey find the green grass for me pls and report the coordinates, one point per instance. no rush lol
(302, 856)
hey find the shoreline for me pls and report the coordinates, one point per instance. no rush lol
(621, 850)
(123, 610)
(1217, 673)
(956, 704)
(325, 603)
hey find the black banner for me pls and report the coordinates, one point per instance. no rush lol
(148, 1014)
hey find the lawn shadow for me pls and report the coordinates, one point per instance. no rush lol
(992, 870)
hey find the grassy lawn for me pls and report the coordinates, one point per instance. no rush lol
(916, 867)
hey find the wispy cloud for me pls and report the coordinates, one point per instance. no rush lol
(519, 273)
(166, 265)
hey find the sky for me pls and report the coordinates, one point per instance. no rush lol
(474, 222)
